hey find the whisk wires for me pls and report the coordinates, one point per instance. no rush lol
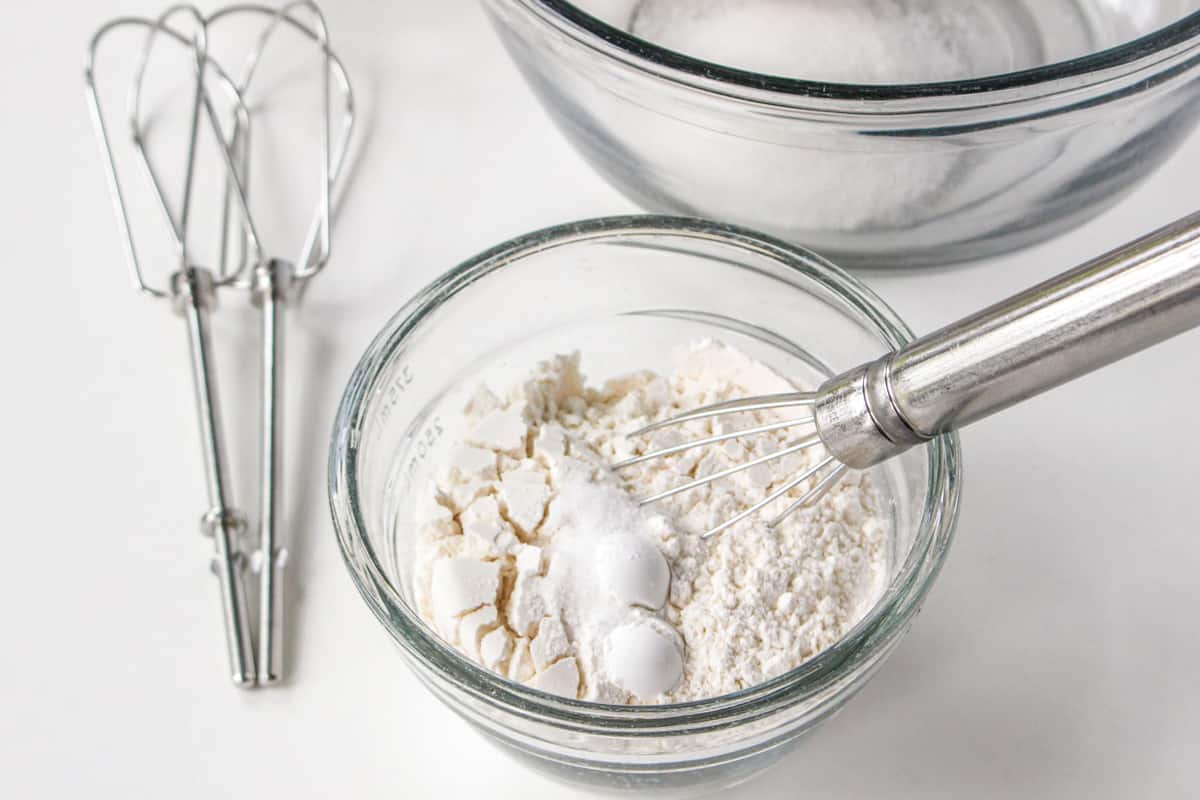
(826, 472)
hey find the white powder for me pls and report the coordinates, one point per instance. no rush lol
(833, 187)
(810, 178)
(538, 562)
(860, 41)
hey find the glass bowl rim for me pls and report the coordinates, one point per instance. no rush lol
(886, 620)
(573, 20)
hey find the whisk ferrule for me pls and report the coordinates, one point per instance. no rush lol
(857, 417)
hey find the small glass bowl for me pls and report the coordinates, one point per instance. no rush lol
(875, 175)
(625, 291)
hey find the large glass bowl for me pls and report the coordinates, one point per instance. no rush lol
(876, 175)
(624, 291)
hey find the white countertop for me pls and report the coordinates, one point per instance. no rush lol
(1056, 656)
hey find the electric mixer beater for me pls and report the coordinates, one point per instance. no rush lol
(192, 289)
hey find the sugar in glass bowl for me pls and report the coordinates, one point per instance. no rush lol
(1080, 100)
(625, 292)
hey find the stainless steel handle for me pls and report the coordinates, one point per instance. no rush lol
(272, 284)
(1125, 301)
(192, 292)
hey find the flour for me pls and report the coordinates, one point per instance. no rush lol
(536, 561)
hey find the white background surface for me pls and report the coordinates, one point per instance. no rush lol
(1056, 656)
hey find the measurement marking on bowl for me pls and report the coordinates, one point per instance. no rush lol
(426, 439)
(395, 390)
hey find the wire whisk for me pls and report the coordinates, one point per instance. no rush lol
(1112, 306)
(219, 111)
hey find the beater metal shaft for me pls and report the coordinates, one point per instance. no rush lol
(272, 283)
(192, 289)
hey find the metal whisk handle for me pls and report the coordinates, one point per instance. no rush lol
(1113, 306)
